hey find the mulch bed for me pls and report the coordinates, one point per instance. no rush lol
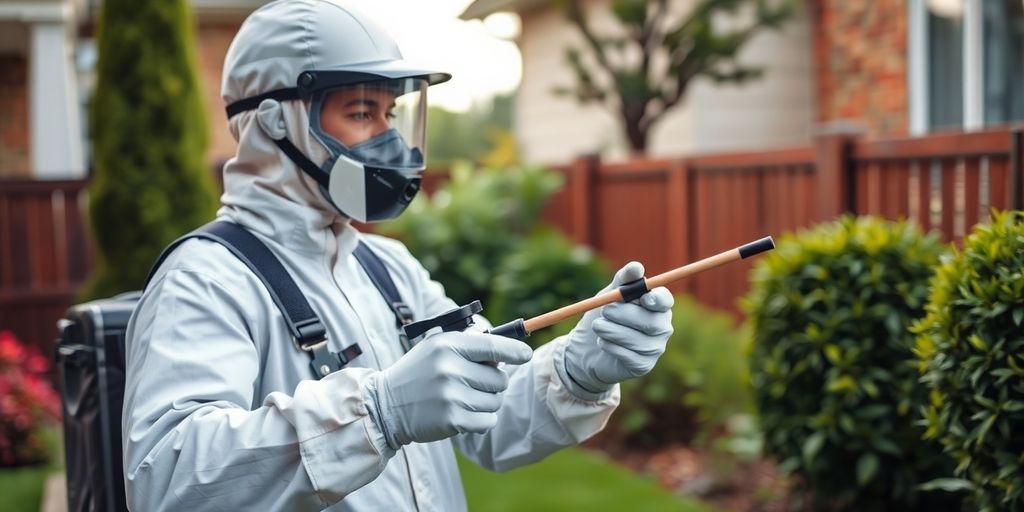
(717, 479)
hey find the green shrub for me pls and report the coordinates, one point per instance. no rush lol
(479, 235)
(832, 367)
(151, 182)
(543, 273)
(698, 385)
(461, 233)
(971, 345)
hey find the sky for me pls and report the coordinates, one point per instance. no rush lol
(430, 32)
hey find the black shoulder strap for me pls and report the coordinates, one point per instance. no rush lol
(381, 278)
(307, 331)
(303, 323)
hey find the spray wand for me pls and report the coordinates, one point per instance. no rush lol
(461, 318)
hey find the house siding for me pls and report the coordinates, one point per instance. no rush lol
(775, 110)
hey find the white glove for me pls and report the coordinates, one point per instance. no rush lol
(619, 341)
(442, 387)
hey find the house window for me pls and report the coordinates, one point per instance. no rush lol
(945, 70)
(966, 63)
(1003, 33)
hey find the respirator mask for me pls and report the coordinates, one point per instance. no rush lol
(374, 130)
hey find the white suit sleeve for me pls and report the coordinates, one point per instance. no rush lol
(195, 435)
(539, 415)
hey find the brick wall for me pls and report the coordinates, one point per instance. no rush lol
(213, 39)
(14, 144)
(860, 51)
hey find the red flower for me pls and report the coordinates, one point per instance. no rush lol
(27, 402)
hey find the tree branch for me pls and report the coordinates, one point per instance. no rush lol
(642, 94)
(576, 16)
(650, 37)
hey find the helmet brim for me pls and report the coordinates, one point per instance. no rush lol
(391, 69)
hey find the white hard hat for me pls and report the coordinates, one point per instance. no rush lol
(284, 38)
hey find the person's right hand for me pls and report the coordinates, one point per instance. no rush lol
(443, 387)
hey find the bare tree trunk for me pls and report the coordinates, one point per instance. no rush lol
(637, 137)
(635, 127)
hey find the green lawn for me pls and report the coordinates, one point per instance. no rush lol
(21, 489)
(570, 480)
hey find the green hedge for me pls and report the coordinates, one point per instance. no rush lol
(832, 367)
(971, 345)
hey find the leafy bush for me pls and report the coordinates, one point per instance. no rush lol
(832, 367)
(151, 181)
(545, 272)
(479, 235)
(698, 385)
(461, 233)
(482, 134)
(28, 404)
(971, 345)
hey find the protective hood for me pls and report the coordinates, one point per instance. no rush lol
(265, 191)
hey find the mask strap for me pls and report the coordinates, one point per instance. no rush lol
(290, 93)
(268, 116)
(303, 162)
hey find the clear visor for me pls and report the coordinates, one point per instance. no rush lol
(380, 124)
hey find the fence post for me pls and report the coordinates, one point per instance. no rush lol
(679, 222)
(584, 170)
(834, 174)
(1016, 167)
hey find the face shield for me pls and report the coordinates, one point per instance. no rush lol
(379, 124)
(373, 128)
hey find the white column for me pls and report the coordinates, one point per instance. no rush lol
(974, 68)
(917, 69)
(56, 134)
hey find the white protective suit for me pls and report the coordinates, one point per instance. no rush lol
(220, 410)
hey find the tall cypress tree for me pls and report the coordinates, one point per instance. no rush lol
(151, 181)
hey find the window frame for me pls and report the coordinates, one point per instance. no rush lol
(973, 66)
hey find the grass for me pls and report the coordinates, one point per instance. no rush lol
(21, 489)
(570, 480)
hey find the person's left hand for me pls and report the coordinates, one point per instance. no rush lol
(619, 341)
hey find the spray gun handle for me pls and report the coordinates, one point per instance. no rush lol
(458, 319)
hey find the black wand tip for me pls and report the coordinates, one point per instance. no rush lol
(757, 247)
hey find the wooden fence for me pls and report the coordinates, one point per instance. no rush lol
(45, 255)
(945, 182)
(668, 212)
(663, 212)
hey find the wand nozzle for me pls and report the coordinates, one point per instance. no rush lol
(520, 329)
